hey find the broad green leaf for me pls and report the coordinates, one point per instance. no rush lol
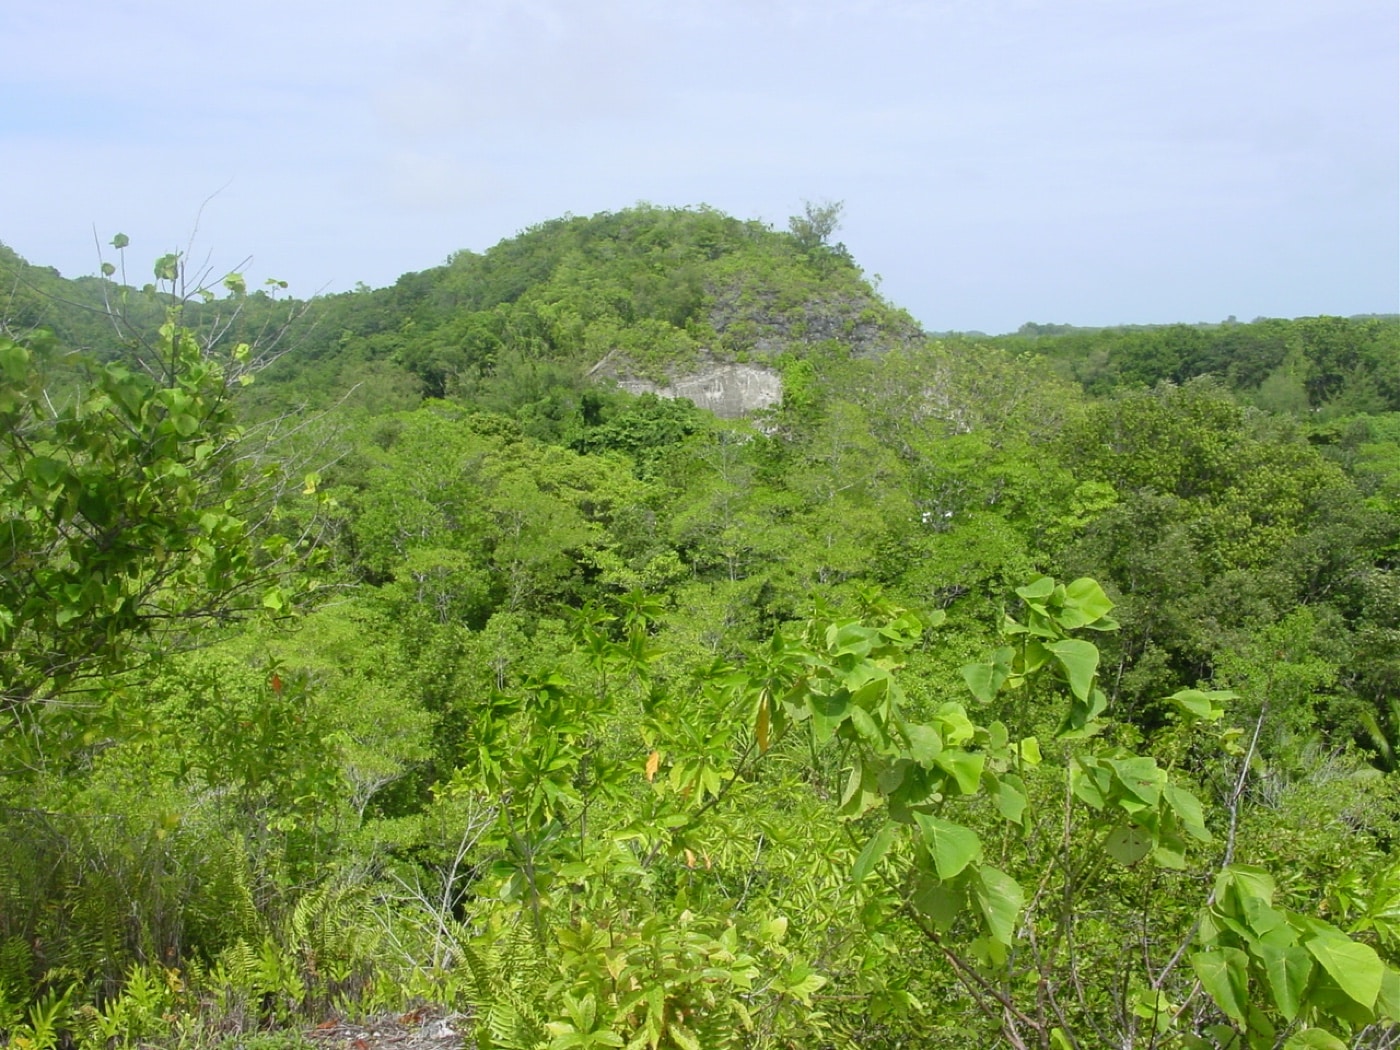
(1033, 657)
(1240, 881)
(876, 848)
(965, 766)
(1128, 844)
(1266, 924)
(1139, 776)
(862, 790)
(1000, 899)
(925, 743)
(1288, 968)
(892, 776)
(1029, 751)
(1388, 1002)
(1087, 598)
(14, 361)
(957, 728)
(823, 728)
(1088, 782)
(866, 727)
(834, 706)
(941, 902)
(1037, 591)
(1080, 660)
(952, 846)
(868, 687)
(984, 680)
(1188, 810)
(851, 638)
(1314, 1039)
(167, 267)
(45, 471)
(1224, 974)
(1009, 796)
(1355, 967)
(1200, 705)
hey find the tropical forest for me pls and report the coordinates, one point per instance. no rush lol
(642, 634)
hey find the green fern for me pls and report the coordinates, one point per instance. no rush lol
(235, 970)
(507, 978)
(333, 929)
(1383, 735)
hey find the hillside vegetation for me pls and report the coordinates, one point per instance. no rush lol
(374, 653)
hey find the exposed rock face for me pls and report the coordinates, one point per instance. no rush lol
(729, 390)
(757, 320)
(754, 322)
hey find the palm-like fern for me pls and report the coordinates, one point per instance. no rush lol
(1382, 730)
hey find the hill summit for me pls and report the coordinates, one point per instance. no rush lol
(673, 300)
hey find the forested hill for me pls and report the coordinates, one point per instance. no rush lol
(653, 290)
(656, 293)
(1039, 695)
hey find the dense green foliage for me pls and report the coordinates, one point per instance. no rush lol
(1335, 364)
(614, 724)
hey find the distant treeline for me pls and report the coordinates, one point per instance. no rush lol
(1343, 365)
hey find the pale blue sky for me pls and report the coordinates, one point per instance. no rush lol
(1001, 161)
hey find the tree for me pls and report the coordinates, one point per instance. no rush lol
(129, 517)
(1043, 870)
(814, 227)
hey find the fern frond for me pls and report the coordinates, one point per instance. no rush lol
(507, 1019)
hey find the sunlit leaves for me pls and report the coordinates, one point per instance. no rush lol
(873, 852)
(985, 680)
(1355, 967)
(1196, 704)
(167, 267)
(952, 846)
(1314, 1039)
(1288, 968)
(1000, 899)
(965, 767)
(122, 510)
(1080, 660)
(1224, 973)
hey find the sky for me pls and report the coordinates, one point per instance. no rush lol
(1089, 162)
